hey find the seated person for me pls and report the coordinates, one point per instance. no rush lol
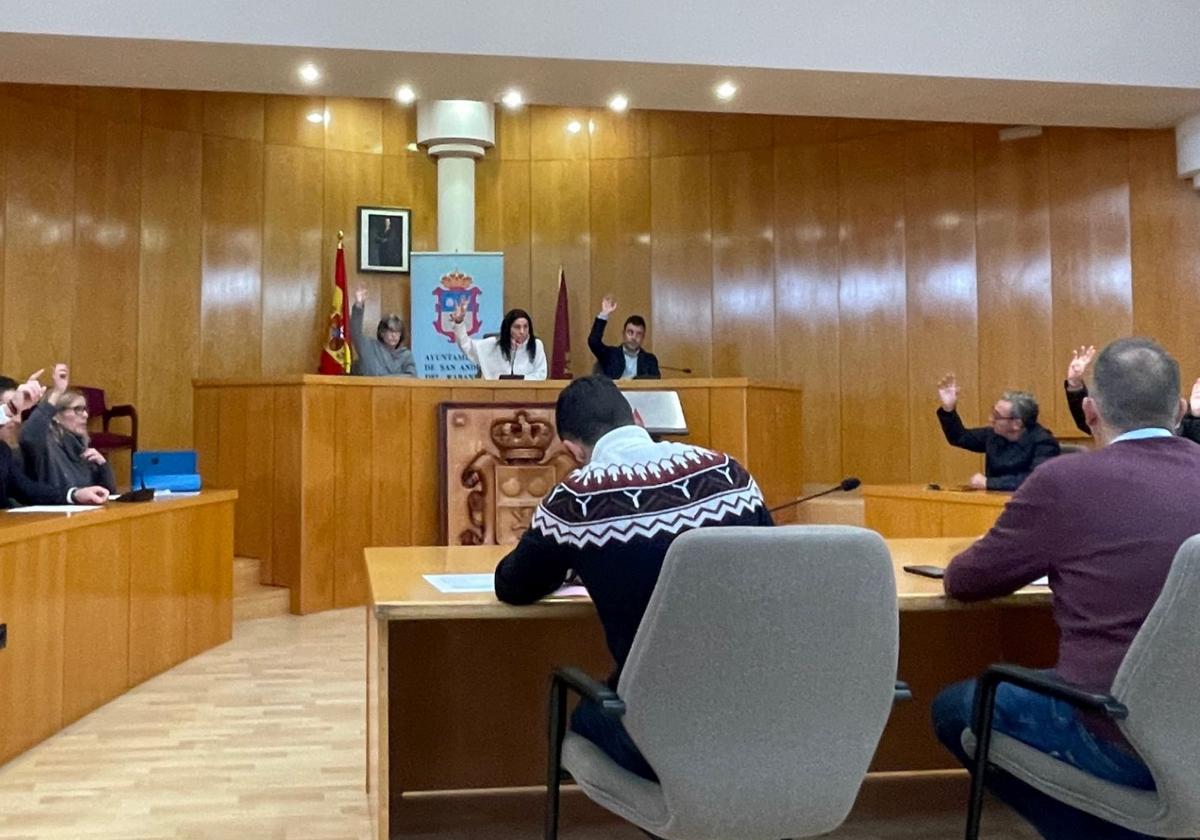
(515, 351)
(630, 359)
(1013, 445)
(384, 353)
(1104, 526)
(15, 487)
(1189, 426)
(612, 521)
(54, 440)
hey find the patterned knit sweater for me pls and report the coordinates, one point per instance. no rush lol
(613, 520)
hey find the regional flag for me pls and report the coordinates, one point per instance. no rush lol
(336, 355)
(560, 358)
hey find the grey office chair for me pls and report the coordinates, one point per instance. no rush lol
(757, 688)
(1153, 701)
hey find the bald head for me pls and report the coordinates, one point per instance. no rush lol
(1135, 385)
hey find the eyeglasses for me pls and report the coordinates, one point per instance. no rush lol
(997, 417)
(76, 409)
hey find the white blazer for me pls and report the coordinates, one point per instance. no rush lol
(485, 352)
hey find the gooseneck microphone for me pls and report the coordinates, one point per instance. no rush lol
(847, 484)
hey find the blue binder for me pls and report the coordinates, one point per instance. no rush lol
(169, 470)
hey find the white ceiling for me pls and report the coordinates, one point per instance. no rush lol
(1108, 62)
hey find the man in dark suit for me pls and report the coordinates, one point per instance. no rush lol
(629, 360)
(1103, 527)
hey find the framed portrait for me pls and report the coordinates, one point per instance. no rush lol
(384, 237)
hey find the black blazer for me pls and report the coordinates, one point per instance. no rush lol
(15, 485)
(1189, 426)
(612, 359)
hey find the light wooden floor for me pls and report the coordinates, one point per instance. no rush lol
(262, 739)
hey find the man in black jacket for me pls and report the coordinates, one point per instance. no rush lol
(629, 360)
(1013, 444)
(612, 521)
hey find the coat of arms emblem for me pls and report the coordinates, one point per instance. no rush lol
(456, 287)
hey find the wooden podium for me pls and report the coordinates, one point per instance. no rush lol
(326, 466)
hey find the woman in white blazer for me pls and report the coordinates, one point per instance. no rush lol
(516, 351)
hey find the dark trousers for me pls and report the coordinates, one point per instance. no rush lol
(609, 734)
(1055, 728)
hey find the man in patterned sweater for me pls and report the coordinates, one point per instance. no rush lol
(612, 521)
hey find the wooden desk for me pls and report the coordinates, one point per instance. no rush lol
(457, 683)
(98, 602)
(327, 465)
(903, 511)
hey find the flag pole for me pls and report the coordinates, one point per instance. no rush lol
(340, 235)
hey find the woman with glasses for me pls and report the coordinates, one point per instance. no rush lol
(1013, 445)
(55, 444)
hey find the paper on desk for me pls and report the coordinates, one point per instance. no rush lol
(465, 584)
(67, 509)
(1042, 581)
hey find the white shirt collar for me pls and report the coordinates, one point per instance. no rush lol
(1142, 434)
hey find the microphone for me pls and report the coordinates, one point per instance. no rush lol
(676, 369)
(847, 484)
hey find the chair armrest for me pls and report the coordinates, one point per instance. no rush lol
(1051, 686)
(592, 689)
(123, 411)
(903, 692)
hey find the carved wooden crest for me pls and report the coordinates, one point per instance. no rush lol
(498, 461)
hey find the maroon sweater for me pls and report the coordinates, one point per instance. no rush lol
(1104, 526)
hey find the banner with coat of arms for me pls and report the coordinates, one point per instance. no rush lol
(439, 282)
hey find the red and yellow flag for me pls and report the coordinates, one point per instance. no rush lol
(336, 355)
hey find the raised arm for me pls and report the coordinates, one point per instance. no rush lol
(465, 343)
(596, 336)
(973, 440)
(1075, 388)
(356, 315)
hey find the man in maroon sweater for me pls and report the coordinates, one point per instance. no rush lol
(1104, 526)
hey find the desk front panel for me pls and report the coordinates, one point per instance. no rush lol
(905, 511)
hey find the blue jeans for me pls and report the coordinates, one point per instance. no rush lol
(1055, 728)
(608, 733)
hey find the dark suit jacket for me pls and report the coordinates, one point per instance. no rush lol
(612, 359)
(15, 485)
(1189, 427)
(1006, 463)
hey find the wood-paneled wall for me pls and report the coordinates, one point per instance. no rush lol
(149, 237)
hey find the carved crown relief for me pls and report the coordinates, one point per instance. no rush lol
(499, 461)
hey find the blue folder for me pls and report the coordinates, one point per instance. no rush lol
(169, 470)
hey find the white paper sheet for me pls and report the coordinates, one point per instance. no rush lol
(1042, 581)
(67, 509)
(466, 584)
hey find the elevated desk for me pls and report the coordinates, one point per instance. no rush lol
(327, 465)
(98, 602)
(909, 510)
(456, 695)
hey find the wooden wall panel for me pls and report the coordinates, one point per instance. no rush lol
(872, 299)
(231, 289)
(502, 222)
(679, 133)
(400, 129)
(559, 232)
(314, 588)
(288, 520)
(158, 583)
(619, 135)
(939, 245)
(1165, 250)
(239, 116)
(286, 121)
(95, 627)
(425, 490)
(119, 104)
(411, 181)
(210, 592)
(351, 180)
(168, 349)
(1012, 231)
(32, 587)
(39, 237)
(181, 110)
(391, 467)
(743, 283)
(681, 261)
(620, 246)
(513, 134)
(108, 191)
(741, 132)
(551, 136)
(1090, 249)
(292, 258)
(354, 125)
(806, 298)
(354, 459)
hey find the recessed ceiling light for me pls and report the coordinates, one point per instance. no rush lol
(513, 99)
(574, 126)
(619, 103)
(725, 90)
(309, 73)
(316, 117)
(405, 95)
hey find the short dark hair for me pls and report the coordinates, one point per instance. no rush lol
(7, 383)
(636, 320)
(391, 322)
(1024, 406)
(1135, 385)
(589, 408)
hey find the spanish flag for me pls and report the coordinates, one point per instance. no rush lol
(335, 355)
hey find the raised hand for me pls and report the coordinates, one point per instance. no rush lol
(1195, 400)
(61, 377)
(460, 312)
(360, 295)
(1080, 359)
(948, 391)
(92, 455)
(608, 306)
(27, 395)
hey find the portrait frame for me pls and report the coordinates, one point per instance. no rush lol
(384, 239)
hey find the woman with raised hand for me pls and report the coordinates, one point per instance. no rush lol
(514, 352)
(384, 353)
(55, 443)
